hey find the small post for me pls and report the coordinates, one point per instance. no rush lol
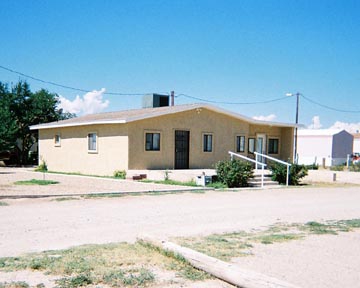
(287, 175)
(262, 176)
(334, 177)
(172, 98)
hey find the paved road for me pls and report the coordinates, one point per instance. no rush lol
(40, 224)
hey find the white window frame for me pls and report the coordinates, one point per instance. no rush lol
(96, 142)
(57, 143)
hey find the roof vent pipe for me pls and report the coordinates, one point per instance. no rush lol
(172, 98)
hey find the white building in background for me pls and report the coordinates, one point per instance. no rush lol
(356, 148)
(327, 147)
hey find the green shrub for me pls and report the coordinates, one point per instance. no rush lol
(355, 167)
(42, 167)
(121, 174)
(234, 173)
(337, 168)
(313, 166)
(297, 172)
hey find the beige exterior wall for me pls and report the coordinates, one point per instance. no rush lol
(122, 146)
(287, 144)
(73, 156)
(223, 128)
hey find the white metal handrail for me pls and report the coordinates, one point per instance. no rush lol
(288, 165)
(263, 165)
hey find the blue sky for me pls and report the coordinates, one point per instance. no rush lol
(225, 51)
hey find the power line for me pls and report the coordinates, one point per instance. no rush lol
(329, 107)
(178, 95)
(233, 103)
(65, 86)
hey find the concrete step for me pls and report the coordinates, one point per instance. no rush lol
(256, 181)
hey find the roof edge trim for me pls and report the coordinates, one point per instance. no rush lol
(59, 125)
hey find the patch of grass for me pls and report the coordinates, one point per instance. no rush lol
(217, 185)
(352, 223)
(36, 182)
(123, 277)
(229, 245)
(3, 203)
(184, 268)
(115, 265)
(60, 199)
(337, 168)
(74, 281)
(171, 182)
(221, 246)
(272, 238)
(319, 228)
(17, 284)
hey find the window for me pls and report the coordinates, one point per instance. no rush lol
(240, 143)
(57, 140)
(273, 146)
(92, 142)
(152, 142)
(207, 143)
(251, 145)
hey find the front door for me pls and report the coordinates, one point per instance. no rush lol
(261, 146)
(182, 140)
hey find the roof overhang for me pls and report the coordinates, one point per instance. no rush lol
(153, 114)
(61, 125)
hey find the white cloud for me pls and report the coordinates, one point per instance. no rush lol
(349, 127)
(91, 102)
(270, 117)
(315, 124)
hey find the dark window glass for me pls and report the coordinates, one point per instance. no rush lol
(207, 143)
(240, 143)
(273, 146)
(92, 141)
(152, 142)
(251, 145)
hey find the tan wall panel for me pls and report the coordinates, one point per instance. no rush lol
(222, 127)
(73, 155)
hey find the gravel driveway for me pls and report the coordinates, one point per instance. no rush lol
(73, 184)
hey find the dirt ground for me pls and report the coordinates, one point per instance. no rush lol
(29, 225)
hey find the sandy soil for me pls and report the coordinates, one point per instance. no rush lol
(29, 225)
(74, 184)
(318, 261)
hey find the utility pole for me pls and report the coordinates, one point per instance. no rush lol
(296, 123)
(296, 129)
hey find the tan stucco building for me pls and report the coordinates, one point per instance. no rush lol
(173, 137)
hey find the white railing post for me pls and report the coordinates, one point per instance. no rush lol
(256, 163)
(288, 165)
(262, 176)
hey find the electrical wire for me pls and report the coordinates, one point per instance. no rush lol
(232, 103)
(68, 87)
(329, 107)
(179, 95)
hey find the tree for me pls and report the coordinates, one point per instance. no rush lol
(8, 126)
(24, 109)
